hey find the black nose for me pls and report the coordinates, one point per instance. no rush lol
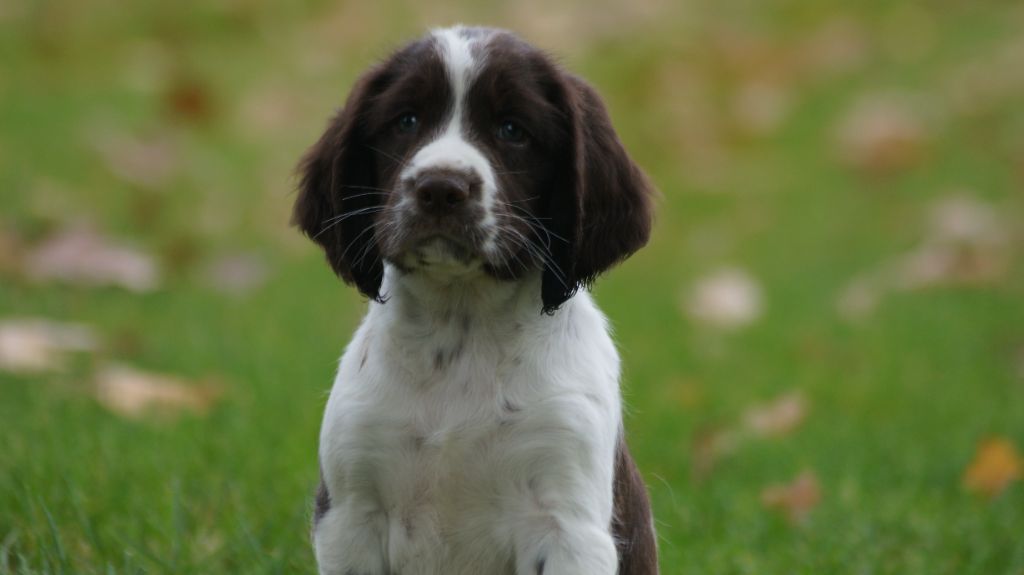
(439, 194)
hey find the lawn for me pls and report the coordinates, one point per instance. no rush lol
(823, 342)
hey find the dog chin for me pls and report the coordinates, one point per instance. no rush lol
(441, 256)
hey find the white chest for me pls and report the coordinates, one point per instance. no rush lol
(451, 441)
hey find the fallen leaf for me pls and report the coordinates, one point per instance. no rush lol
(149, 162)
(729, 298)
(268, 110)
(81, 256)
(760, 107)
(962, 218)
(135, 394)
(795, 500)
(996, 465)
(709, 447)
(967, 243)
(236, 274)
(189, 98)
(778, 417)
(881, 135)
(860, 298)
(34, 345)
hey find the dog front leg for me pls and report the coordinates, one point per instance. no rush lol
(349, 539)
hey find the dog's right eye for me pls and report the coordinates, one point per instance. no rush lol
(407, 123)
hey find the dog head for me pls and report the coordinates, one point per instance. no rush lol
(470, 152)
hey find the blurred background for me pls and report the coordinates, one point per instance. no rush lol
(824, 341)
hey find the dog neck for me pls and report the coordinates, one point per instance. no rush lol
(420, 298)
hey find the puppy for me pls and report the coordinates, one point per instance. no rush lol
(469, 188)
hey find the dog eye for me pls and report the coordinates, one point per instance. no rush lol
(511, 132)
(407, 123)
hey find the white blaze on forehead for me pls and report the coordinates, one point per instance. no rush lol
(451, 149)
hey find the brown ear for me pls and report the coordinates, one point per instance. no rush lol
(333, 207)
(601, 206)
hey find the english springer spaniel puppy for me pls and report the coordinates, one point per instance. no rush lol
(470, 188)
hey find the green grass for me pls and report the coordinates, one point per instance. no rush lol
(898, 401)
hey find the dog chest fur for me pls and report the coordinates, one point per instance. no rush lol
(459, 453)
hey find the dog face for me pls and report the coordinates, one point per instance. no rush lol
(470, 152)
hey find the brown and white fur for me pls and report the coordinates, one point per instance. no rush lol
(469, 187)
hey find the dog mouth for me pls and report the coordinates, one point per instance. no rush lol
(438, 250)
(459, 249)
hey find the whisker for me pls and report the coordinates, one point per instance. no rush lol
(335, 220)
(530, 199)
(536, 225)
(349, 214)
(536, 253)
(355, 240)
(359, 187)
(364, 194)
(393, 157)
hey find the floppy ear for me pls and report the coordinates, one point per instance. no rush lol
(333, 207)
(601, 205)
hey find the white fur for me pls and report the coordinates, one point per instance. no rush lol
(487, 464)
(451, 149)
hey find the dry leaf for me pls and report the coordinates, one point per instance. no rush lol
(859, 298)
(237, 274)
(728, 298)
(760, 107)
(149, 162)
(778, 417)
(996, 465)
(796, 499)
(189, 99)
(772, 419)
(967, 243)
(709, 447)
(80, 256)
(961, 218)
(135, 394)
(268, 110)
(32, 345)
(882, 134)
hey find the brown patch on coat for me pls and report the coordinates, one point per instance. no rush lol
(632, 522)
(322, 502)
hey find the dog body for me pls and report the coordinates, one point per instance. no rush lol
(469, 187)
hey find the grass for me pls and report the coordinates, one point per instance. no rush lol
(898, 401)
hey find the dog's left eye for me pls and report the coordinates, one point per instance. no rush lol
(511, 132)
(407, 123)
